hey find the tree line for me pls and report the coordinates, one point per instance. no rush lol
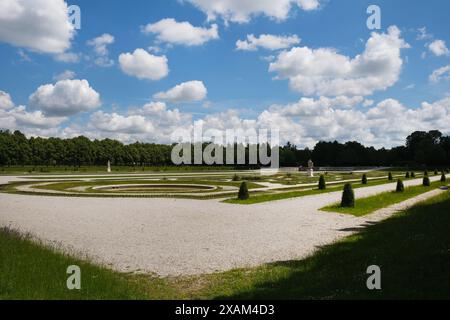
(421, 148)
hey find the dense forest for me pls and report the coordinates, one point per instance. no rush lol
(421, 148)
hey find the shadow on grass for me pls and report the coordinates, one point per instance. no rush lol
(412, 250)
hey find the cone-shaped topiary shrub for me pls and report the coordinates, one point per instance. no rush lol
(390, 178)
(243, 191)
(425, 174)
(443, 177)
(436, 172)
(364, 179)
(426, 181)
(407, 175)
(322, 183)
(348, 197)
(413, 174)
(400, 186)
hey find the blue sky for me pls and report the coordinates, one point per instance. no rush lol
(239, 84)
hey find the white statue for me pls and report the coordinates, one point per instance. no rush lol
(109, 166)
(311, 168)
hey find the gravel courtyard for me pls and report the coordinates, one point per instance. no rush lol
(184, 237)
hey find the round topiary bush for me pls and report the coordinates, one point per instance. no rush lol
(443, 177)
(426, 181)
(390, 178)
(236, 178)
(348, 197)
(322, 183)
(400, 186)
(243, 191)
(364, 179)
(407, 175)
(413, 174)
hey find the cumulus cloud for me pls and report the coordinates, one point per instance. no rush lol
(318, 120)
(324, 71)
(308, 5)
(440, 74)
(100, 46)
(151, 122)
(65, 75)
(39, 25)
(118, 123)
(181, 33)
(143, 65)
(65, 98)
(267, 41)
(439, 48)
(35, 119)
(241, 11)
(189, 91)
(12, 117)
(5, 101)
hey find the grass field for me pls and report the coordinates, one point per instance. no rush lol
(301, 192)
(368, 205)
(412, 249)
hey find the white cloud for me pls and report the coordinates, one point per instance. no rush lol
(39, 25)
(304, 123)
(308, 5)
(316, 120)
(181, 33)
(324, 71)
(422, 34)
(66, 97)
(100, 46)
(241, 11)
(65, 75)
(144, 65)
(152, 122)
(266, 41)
(35, 119)
(118, 123)
(68, 57)
(162, 117)
(440, 74)
(5, 101)
(439, 48)
(12, 117)
(189, 91)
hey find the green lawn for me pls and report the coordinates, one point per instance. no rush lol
(412, 248)
(301, 192)
(368, 205)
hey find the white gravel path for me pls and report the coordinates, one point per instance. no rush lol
(183, 237)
